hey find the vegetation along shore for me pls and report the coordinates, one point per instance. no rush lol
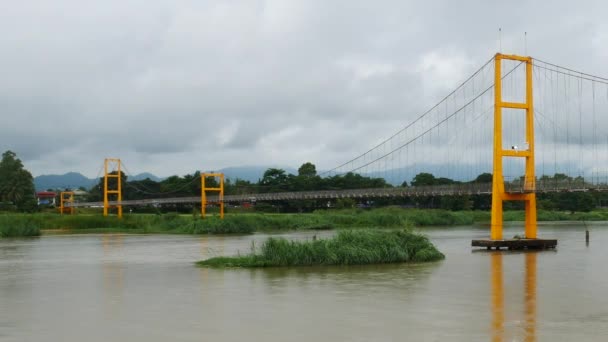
(17, 224)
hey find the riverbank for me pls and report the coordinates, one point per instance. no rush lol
(239, 223)
(347, 247)
(33, 224)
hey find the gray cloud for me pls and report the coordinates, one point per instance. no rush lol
(172, 87)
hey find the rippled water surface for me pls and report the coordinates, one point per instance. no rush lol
(146, 288)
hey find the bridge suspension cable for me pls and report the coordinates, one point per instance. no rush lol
(453, 139)
(432, 140)
(572, 105)
(429, 111)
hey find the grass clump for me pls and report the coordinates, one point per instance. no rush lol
(393, 217)
(18, 227)
(347, 247)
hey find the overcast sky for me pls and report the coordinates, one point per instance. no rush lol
(171, 87)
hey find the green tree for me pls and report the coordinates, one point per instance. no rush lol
(353, 180)
(455, 202)
(483, 178)
(141, 189)
(307, 178)
(274, 179)
(575, 201)
(445, 181)
(240, 187)
(307, 169)
(16, 183)
(424, 178)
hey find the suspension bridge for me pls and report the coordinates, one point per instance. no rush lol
(515, 117)
(416, 191)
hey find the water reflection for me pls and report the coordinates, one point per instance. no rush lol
(113, 272)
(498, 300)
(146, 288)
(498, 315)
(530, 297)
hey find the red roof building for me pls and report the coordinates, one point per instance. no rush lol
(46, 198)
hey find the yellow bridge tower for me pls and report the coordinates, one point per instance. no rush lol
(108, 162)
(528, 192)
(219, 189)
(498, 183)
(66, 197)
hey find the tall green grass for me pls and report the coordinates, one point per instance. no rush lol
(546, 215)
(348, 247)
(392, 217)
(11, 226)
(396, 217)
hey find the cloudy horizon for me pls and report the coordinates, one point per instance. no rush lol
(173, 87)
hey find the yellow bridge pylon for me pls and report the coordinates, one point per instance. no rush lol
(498, 186)
(117, 191)
(219, 190)
(69, 199)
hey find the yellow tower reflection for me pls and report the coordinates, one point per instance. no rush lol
(530, 297)
(498, 315)
(498, 300)
(112, 272)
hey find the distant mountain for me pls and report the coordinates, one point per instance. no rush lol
(70, 180)
(74, 180)
(143, 176)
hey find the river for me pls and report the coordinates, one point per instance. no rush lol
(146, 288)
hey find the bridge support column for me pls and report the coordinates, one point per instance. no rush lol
(531, 217)
(219, 189)
(527, 192)
(66, 197)
(116, 191)
(496, 220)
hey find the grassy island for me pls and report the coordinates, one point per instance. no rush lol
(347, 247)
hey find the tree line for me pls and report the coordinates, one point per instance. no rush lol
(307, 179)
(17, 190)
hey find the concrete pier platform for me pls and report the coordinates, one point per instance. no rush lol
(516, 243)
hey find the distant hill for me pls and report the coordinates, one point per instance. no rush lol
(74, 180)
(71, 180)
(145, 175)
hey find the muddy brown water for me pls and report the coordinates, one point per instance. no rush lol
(145, 288)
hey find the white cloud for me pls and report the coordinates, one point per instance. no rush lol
(172, 87)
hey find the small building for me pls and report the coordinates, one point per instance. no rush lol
(79, 193)
(46, 198)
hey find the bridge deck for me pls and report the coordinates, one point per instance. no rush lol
(417, 191)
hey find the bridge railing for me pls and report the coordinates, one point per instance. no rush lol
(414, 191)
(435, 190)
(552, 185)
